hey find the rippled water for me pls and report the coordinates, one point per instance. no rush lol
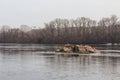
(25, 62)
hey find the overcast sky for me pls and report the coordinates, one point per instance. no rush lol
(36, 12)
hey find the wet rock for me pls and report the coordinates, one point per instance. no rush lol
(88, 49)
(66, 48)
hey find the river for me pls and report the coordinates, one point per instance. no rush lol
(25, 62)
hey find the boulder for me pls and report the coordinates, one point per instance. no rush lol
(67, 48)
(88, 49)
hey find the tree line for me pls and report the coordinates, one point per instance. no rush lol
(74, 31)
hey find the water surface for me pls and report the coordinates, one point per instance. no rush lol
(25, 62)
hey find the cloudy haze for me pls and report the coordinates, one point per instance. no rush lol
(36, 12)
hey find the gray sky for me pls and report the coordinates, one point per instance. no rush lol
(36, 12)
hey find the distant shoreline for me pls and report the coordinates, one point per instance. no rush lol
(63, 31)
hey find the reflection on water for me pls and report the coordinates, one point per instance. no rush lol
(30, 65)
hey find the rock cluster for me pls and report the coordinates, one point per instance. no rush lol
(77, 49)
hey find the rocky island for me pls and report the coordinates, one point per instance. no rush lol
(78, 49)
